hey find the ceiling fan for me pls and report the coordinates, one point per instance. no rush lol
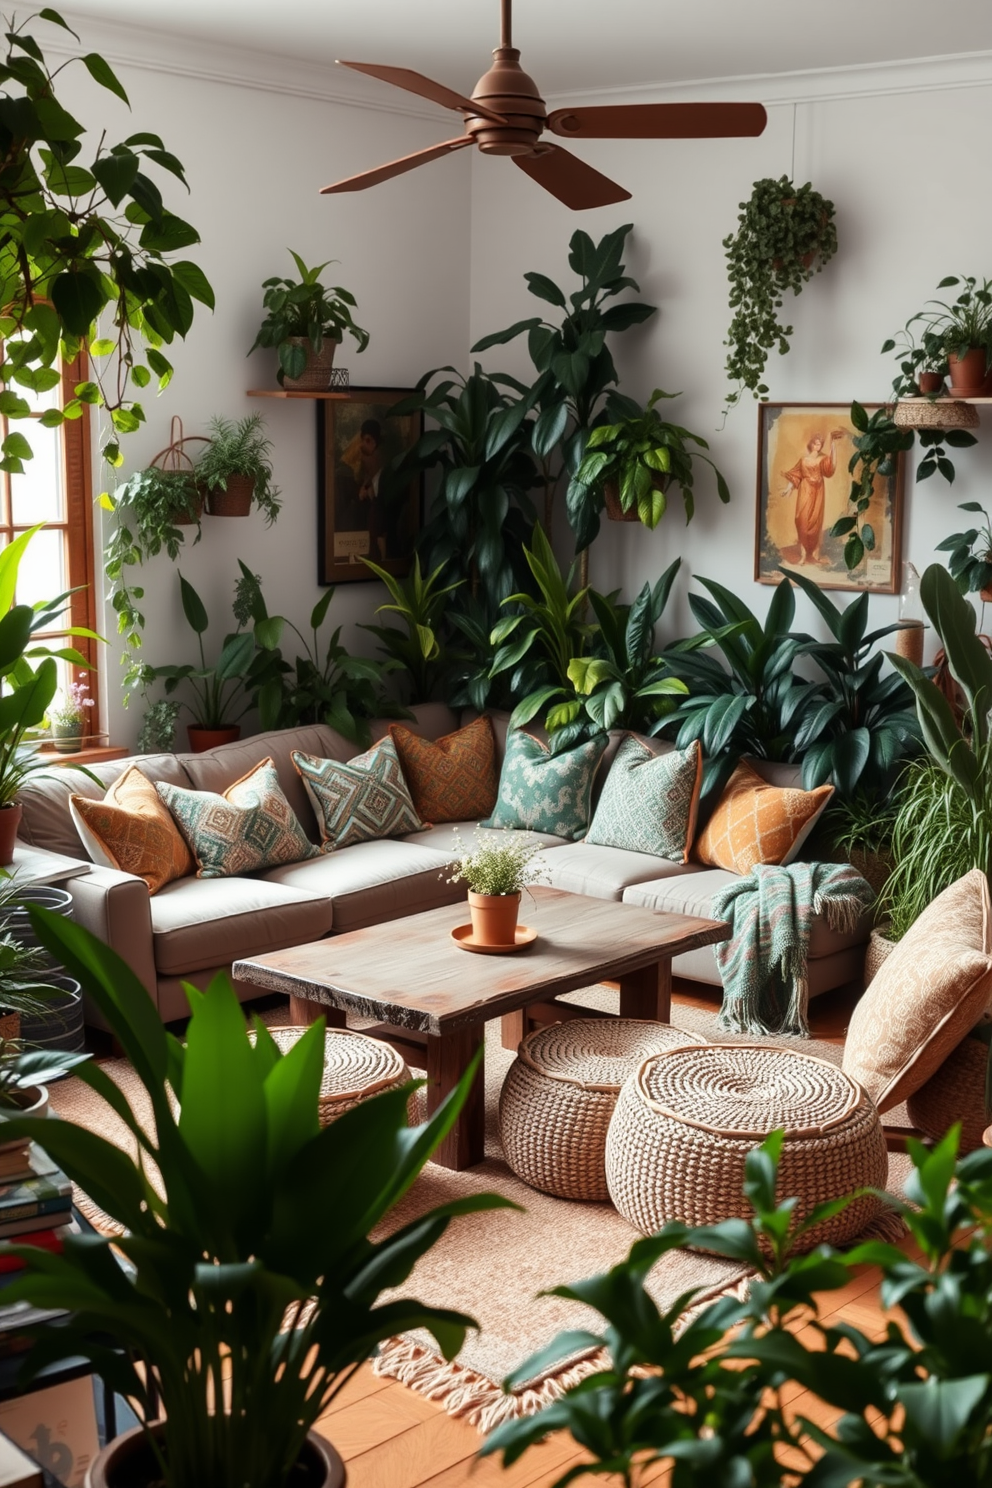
(506, 116)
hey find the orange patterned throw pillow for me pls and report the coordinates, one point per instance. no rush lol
(759, 823)
(453, 779)
(131, 829)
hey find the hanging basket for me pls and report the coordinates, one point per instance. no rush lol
(235, 501)
(175, 456)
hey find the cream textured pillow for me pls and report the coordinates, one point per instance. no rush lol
(926, 997)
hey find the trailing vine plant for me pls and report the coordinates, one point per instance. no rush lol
(785, 235)
(877, 446)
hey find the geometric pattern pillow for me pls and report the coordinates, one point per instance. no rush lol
(928, 995)
(132, 831)
(544, 792)
(648, 802)
(452, 779)
(759, 823)
(360, 801)
(251, 826)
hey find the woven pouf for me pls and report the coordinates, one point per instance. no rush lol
(956, 1092)
(686, 1120)
(560, 1092)
(355, 1067)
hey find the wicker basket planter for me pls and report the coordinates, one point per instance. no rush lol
(880, 948)
(559, 1096)
(355, 1068)
(685, 1122)
(235, 501)
(316, 375)
(955, 1093)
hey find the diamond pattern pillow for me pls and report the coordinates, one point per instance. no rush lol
(544, 792)
(360, 801)
(759, 823)
(131, 830)
(452, 779)
(649, 801)
(250, 826)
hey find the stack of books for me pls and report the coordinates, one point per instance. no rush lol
(35, 1201)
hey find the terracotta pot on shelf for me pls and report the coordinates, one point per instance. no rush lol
(930, 383)
(201, 739)
(494, 918)
(316, 376)
(129, 1462)
(235, 501)
(10, 820)
(968, 374)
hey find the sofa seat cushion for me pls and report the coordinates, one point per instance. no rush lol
(605, 872)
(373, 881)
(692, 894)
(205, 922)
(455, 838)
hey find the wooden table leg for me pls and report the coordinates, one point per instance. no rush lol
(303, 1011)
(513, 1027)
(648, 993)
(447, 1060)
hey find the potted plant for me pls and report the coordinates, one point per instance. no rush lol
(235, 470)
(955, 337)
(305, 323)
(785, 234)
(497, 869)
(67, 717)
(217, 690)
(634, 461)
(970, 554)
(23, 1073)
(249, 1290)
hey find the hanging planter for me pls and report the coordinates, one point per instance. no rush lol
(235, 472)
(233, 499)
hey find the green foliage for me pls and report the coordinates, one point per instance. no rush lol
(574, 365)
(420, 603)
(240, 448)
(501, 862)
(303, 308)
(643, 456)
(157, 733)
(261, 1220)
(970, 560)
(785, 234)
(81, 245)
(944, 329)
(877, 446)
(218, 691)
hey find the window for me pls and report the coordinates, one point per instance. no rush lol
(55, 489)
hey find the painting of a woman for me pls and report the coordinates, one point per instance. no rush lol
(807, 479)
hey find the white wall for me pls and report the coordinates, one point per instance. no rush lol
(910, 210)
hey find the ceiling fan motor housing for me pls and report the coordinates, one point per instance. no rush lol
(508, 90)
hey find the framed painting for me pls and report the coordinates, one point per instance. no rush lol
(363, 509)
(803, 489)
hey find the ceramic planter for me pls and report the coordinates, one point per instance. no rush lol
(129, 1462)
(494, 917)
(316, 376)
(235, 501)
(31, 1101)
(58, 1025)
(968, 374)
(67, 737)
(201, 739)
(10, 820)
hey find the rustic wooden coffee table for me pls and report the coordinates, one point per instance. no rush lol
(434, 998)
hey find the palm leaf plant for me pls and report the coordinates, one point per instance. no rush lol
(420, 602)
(249, 1291)
(218, 697)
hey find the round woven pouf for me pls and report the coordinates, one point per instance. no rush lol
(355, 1067)
(956, 1092)
(559, 1095)
(686, 1120)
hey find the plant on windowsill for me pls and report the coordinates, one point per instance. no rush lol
(500, 866)
(67, 717)
(235, 470)
(250, 1291)
(305, 324)
(218, 692)
(785, 234)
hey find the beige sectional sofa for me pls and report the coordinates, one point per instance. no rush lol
(194, 927)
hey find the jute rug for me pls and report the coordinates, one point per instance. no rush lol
(490, 1265)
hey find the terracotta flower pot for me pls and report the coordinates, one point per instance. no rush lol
(235, 501)
(930, 383)
(129, 1462)
(10, 820)
(968, 373)
(201, 739)
(316, 376)
(494, 917)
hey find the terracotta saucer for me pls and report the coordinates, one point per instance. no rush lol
(462, 936)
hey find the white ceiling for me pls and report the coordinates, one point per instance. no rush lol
(574, 45)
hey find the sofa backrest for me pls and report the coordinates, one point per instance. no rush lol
(430, 721)
(46, 821)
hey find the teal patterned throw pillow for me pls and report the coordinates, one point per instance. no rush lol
(649, 801)
(250, 826)
(360, 801)
(544, 792)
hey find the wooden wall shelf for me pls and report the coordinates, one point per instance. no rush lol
(298, 393)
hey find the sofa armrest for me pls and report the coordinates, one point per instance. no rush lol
(114, 906)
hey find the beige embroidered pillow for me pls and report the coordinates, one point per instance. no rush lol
(926, 997)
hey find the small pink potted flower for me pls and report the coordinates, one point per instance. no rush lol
(67, 716)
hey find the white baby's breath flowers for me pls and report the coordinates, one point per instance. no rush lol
(502, 862)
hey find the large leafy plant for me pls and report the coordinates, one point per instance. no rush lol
(302, 310)
(216, 693)
(81, 245)
(970, 552)
(420, 602)
(250, 1291)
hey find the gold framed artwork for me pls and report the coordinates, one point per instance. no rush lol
(803, 488)
(363, 510)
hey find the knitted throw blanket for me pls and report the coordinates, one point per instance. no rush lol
(763, 964)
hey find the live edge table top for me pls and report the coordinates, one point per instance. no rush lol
(411, 974)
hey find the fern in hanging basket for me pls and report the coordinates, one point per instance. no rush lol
(785, 235)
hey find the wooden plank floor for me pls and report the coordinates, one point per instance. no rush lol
(392, 1438)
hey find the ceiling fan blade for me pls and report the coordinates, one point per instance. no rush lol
(569, 178)
(425, 87)
(396, 167)
(659, 121)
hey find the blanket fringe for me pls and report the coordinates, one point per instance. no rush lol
(843, 914)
